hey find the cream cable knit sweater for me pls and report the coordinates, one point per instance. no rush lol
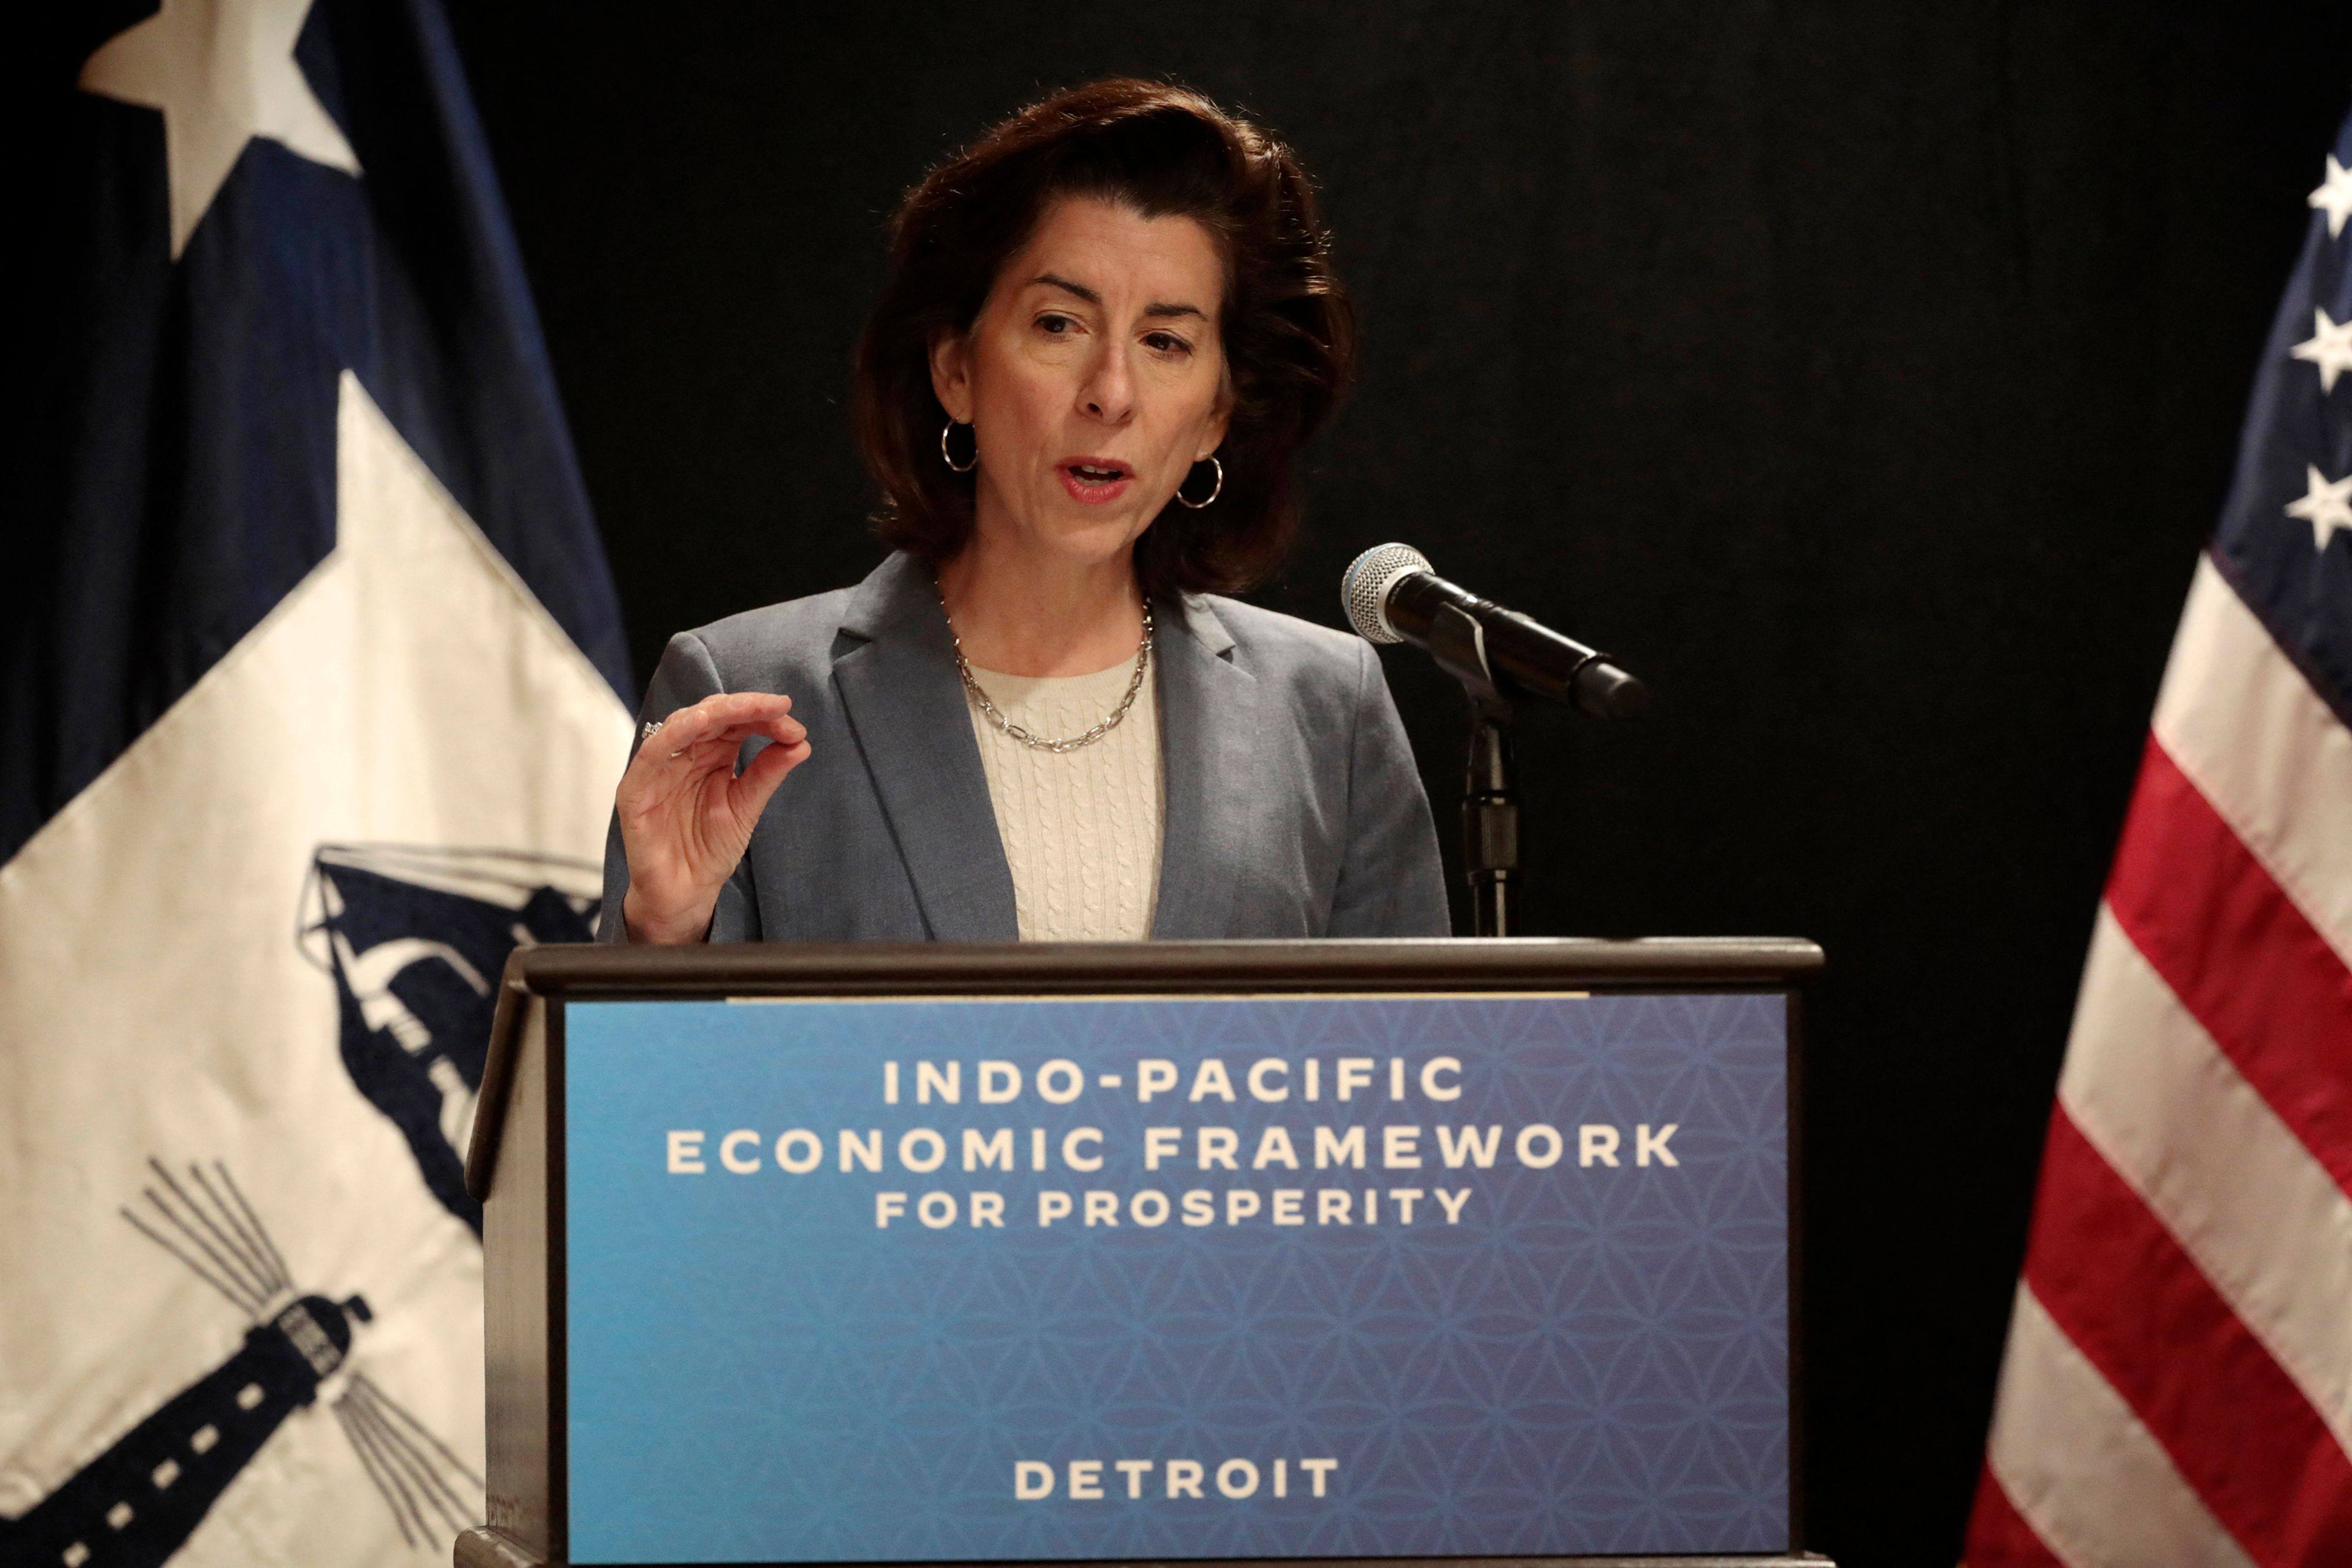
(1081, 829)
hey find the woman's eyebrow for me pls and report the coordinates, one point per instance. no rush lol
(1080, 289)
(1156, 310)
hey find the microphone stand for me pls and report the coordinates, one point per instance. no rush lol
(1490, 802)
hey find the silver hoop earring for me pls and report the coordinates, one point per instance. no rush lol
(951, 461)
(1213, 494)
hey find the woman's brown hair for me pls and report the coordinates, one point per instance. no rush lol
(1288, 328)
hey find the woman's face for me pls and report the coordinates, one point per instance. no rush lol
(1094, 378)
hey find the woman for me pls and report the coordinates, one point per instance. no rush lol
(1107, 329)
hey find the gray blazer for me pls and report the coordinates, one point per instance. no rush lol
(1293, 806)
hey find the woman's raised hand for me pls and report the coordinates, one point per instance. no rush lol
(686, 814)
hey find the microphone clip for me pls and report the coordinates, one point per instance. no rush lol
(1458, 640)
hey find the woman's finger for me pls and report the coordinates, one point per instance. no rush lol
(713, 713)
(687, 754)
(750, 792)
(776, 727)
(718, 749)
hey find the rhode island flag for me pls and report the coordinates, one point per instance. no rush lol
(312, 701)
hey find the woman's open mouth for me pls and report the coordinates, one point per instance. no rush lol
(1095, 479)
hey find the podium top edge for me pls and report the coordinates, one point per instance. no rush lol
(607, 971)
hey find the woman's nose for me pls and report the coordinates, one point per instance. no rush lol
(1109, 393)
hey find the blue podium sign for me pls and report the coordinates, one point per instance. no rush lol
(1154, 1277)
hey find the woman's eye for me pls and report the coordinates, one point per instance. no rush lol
(1055, 326)
(1169, 343)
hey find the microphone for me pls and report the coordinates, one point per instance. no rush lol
(1392, 596)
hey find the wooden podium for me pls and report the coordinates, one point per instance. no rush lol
(1230, 1251)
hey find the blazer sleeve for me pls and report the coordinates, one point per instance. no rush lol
(685, 675)
(1391, 880)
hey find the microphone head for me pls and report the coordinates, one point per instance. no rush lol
(1364, 589)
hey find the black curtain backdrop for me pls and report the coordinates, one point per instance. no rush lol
(1865, 376)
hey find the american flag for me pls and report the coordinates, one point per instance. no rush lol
(2178, 1382)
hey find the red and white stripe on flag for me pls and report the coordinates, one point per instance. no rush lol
(2177, 1383)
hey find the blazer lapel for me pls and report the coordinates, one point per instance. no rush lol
(1208, 713)
(897, 683)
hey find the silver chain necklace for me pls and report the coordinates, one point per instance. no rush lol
(1037, 743)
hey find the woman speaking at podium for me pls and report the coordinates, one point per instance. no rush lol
(1108, 328)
